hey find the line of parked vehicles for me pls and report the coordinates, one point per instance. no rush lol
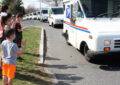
(54, 16)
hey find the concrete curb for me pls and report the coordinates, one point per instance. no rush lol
(42, 57)
(41, 49)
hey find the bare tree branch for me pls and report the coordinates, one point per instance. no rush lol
(52, 2)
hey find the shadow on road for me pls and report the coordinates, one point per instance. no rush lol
(62, 83)
(59, 27)
(51, 58)
(58, 66)
(108, 62)
(68, 77)
(36, 55)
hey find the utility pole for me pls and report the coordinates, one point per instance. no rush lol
(40, 4)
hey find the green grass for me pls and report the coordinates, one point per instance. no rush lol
(28, 72)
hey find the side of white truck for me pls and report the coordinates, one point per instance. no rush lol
(92, 26)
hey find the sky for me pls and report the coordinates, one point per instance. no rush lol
(33, 3)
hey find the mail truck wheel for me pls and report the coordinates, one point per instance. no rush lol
(67, 38)
(41, 20)
(53, 25)
(49, 23)
(87, 54)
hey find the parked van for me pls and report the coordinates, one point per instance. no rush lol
(30, 16)
(92, 26)
(34, 16)
(38, 15)
(56, 15)
(44, 14)
(27, 16)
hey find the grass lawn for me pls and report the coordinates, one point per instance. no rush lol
(28, 72)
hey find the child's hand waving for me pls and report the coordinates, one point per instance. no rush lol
(24, 28)
(24, 43)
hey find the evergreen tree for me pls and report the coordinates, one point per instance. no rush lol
(6, 2)
(14, 6)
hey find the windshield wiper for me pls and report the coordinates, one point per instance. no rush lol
(107, 14)
(114, 14)
(101, 14)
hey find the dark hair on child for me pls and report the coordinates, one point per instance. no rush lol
(9, 15)
(19, 15)
(8, 32)
(5, 18)
(4, 8)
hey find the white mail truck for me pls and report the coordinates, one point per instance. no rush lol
(44, 14)
(92, 26)
(56, 15)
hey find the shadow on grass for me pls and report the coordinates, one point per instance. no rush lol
(36, 55)
(32, 79)
(36, 72)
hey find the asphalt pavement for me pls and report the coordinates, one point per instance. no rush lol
(69, 65)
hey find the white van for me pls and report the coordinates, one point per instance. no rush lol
(30, 16)
(24, 17)
(56, 15)
(92, 26)
(38, 15)
(44, 14)
(34, 15)
(27, 16)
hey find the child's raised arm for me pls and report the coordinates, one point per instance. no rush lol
(24, 28)
(22, 49)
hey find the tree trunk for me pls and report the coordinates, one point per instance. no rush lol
(56, 2)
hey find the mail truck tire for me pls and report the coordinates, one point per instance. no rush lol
(53, 25)
(67, 39)
(88, 55)
(43, 20)
(49, 23)
(40, 20)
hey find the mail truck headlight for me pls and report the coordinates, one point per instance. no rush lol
(107, 42)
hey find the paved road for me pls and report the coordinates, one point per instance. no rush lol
(70, 67)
